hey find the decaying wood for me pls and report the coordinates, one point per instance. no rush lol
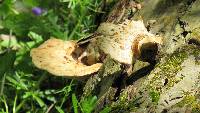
(173, 84)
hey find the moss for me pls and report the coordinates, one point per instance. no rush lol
(172, 64)
(123, 106)
(196, 34)
(123, 97)
(164, 77)
(196, 52)
(196, 110)
(190, 101)
(155, 96)
(168, 71)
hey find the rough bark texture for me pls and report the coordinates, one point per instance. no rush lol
(172, 84)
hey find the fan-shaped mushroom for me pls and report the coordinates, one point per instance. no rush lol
(123, 42)
(56, 57)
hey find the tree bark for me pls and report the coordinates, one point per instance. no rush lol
(172, 83)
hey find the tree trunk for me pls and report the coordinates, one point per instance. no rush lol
(172, 83)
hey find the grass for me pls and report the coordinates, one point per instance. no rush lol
(23, 87)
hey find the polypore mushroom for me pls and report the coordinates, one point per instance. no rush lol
(56, 56)
(123, 42)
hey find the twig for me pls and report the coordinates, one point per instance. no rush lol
(50, 107)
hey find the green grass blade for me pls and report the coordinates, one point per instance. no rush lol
(59, 109)
(39, 100)
(75, 103)
(14, 104)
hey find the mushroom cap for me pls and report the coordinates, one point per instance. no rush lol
(55, 56)
(119, 40)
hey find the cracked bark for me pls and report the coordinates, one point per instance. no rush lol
(171, 84)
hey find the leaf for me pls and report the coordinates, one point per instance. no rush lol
(5, 104)
(39, 100)
(27, 94)
(7, 41)
(37, 38)
(6, 62)
(75, 103)
(59, 109)
(89, 104)
(64, 0)
(14, 104)
(55, 28)
(17, 82)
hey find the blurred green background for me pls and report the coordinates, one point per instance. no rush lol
(23, 87)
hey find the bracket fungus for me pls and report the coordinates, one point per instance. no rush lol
(56, 56)
(123, 42)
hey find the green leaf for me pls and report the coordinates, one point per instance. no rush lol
(59, 109)
(89, 104)
(37, 38)
(64, 0)
(39, 100)
(75, 103)
(8, 42)
(14, 104)
(6, 62)
(17, 82)
(5, 104)
(27, 94)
